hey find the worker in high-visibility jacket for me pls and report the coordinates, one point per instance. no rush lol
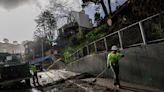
(34, 74)
(112, 62)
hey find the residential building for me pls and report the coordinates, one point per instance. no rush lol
(80, 21)
(11, 48)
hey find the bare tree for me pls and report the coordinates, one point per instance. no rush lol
(60, 8)
(47, 20)
(46, 23)
(110, 8)
(101, 2)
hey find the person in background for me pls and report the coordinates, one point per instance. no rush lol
(112, 62)
(34, 74)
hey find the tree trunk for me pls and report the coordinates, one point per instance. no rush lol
(110, 9)
(104, 7)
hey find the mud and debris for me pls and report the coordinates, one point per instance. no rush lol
(71, 84)
(68, 86)
(74, 84)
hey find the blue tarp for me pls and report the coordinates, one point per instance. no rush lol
(42, 59)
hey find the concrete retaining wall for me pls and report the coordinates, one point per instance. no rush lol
(141, 64)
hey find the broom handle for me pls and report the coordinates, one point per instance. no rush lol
(101, 72)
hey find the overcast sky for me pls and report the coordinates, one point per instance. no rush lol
(17, 19)
(90, 10)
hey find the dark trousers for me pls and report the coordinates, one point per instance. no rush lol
(115, 70)
(35, 79)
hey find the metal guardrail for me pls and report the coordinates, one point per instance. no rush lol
(143, 25)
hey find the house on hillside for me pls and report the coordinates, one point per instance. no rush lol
(28, 47)
(80, 21)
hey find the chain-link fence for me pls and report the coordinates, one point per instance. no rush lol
(153, 28)
(85, 51)
(131, 36)
(100, 45)
(162, 21)
(80, 53)
(144, 32)
(91, 48)
(112, 40)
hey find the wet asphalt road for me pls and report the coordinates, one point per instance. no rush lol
(66, 81)
(65, 86)
(48, 81)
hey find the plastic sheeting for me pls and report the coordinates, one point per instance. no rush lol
(42, 59)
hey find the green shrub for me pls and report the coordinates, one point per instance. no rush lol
(80, 39)
(97, 33)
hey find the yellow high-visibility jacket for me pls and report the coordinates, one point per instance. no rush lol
(33, 68)
(113, 58)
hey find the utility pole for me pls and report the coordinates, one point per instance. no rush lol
(41, 33)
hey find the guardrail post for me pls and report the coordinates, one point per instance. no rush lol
(73, 56)
(78, 54)
(70, 58)
(95, 47)
(65, 59)
(87, 49)
(142, 33)
(105, 42)
(160, 21)
(82, 52)
(120, 40)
